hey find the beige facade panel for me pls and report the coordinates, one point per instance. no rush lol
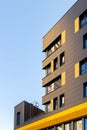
(76, 25)
(77, 70)
(63, 38)
(63, 78)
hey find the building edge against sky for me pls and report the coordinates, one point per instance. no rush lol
(65, 80)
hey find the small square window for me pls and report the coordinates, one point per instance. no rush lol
(85, 41)
(62, 58)
(85, 89)
(62, 100)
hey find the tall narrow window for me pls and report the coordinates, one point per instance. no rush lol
(85, 41)
(48, 69)
(18, 118)
(85, 89)
(48, 107)
(67, 126)
(78, 125)
(55, 63)
(62, 100)
(55, 105)
(59, 127)
(62, 58)
(83, 66)
(85, 124)
(83, 19)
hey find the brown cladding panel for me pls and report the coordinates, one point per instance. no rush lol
(74, 53)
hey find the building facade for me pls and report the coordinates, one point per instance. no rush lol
(65, 82)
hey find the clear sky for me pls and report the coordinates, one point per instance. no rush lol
(23, 23)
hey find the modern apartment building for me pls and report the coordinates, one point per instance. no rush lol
(65, 82)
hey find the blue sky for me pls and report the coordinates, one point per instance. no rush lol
(23, 23)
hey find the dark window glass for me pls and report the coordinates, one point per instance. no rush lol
(85, 89)
(18, 118)
(62, 100)
(55, 63)
(62, 58)
(83, 66)
(85, 41)
(83, 19)
(55, 103)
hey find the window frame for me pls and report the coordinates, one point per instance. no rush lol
(83, 19)
(62, 57)
(18, 118)
(62, 103)
(85, 41)
(55, 103)
(85, 89)
(83, 66)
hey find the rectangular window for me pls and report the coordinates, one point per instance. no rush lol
(57, 82)
(85, 124)
(62, 58)
(48, 69)
(78, 125)
(67, 126)
(55, 63)
(18, 118)
(85, 41)
(83, 19)
(50, 88)
(83, 66)
(54, 84)
(55, 105)
(48, 107)
(85, 89)
(57, 42)
(59, 127)
(62, 100)
(52, 128)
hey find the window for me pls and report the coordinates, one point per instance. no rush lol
(59, 127)
(55, 63)
(78, 125)
(18, 118)
(83, 19)
(85, 124)
(52, 128)
(57, 82)
(48, 69)
(54, 46)
(62, 100)
(85, 89)
(85, 41)
(62, 58)
(48, 107)
(54, 84)
(83, 66)
(55, 105)
(50, 88)
(67, 126)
